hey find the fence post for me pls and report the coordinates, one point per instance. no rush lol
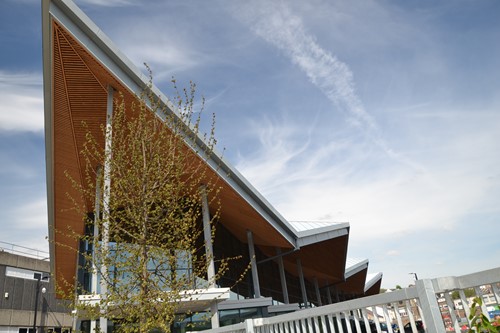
(431, 315)
(249, 325)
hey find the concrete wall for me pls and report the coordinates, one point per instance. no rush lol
(17, 296)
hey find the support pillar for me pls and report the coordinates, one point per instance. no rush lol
(328, 293)
(318, 295)
(302, 284)
(336, 294)
(95, 240)
(253, 262)
(106, 193)
(281, 268)
(75, 321)
(209, 252)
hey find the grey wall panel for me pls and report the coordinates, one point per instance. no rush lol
(17, 299)
(2, 288)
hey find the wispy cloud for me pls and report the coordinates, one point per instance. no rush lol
(165, 53)
(345, 180)
(393, 253)
(108, 3)
(276, 24)
(22, 102)
(26, 221)
(32, 214)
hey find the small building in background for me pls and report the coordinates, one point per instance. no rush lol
(26, 286)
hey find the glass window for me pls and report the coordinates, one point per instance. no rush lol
(229, 317)
(250, 313)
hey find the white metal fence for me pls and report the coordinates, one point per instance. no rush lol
(441, 305)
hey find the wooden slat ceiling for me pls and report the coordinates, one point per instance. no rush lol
(80, 84)
(79, 95)
(324, 261)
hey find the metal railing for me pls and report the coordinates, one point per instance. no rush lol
(24, 251)
(432, 306)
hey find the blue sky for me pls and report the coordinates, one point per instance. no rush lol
(383, 114)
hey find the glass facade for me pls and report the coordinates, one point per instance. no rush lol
(235, 316)
(160, 267)
(226, 245)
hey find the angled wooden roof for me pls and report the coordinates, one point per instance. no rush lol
(80, 62)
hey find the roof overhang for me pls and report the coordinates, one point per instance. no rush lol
(354, 266)
(322, 261)
(79, 63)
(373, 283)
(312, 236)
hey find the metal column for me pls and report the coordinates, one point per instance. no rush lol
(328, 293)
(318, 295)
(281, 267)
(103, 321)
(253, 261)
(209, 252)
(302, 283)
(95, 238)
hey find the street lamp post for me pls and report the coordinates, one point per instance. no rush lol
(39, 277)
(415, 275)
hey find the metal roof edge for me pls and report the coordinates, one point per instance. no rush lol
(47, 101)
(357, 267)
(317, 235)
(371, 279)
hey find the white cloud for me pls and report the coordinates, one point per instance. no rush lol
(31, 215)
(276, 24)
(109, 3)
(29, 226)
(22, 102)
(165, 57)
(344, 180)
(427, 183)
(393, 253)
(159, 40)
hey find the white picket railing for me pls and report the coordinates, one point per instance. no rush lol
(427, 302)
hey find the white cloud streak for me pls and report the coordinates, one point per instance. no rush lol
(31, 215)
(166, 53)
(345, 179)
(109, 3)
(22, 102)
(276, 24)
(339, 181)
(30, 227)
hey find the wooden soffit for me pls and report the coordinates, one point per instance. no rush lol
(324, 261)
(375, 289)
(79, 84)
(355, 284)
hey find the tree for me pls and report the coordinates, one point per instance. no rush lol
(148, 182)
(469, 292)
(479, 322)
